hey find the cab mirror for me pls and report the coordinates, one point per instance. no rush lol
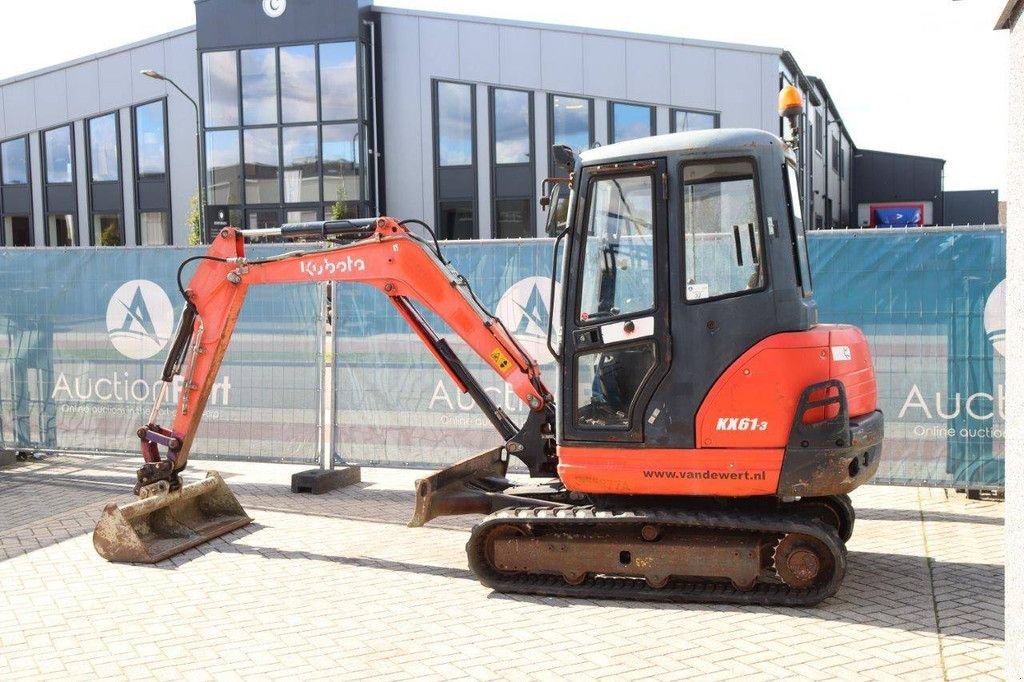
(557, 206)
(563, 156)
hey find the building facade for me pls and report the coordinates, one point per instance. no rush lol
(328, 108)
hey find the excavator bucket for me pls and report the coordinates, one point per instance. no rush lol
(154, 528)
(472, 486)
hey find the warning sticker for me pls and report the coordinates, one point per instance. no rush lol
(501, 361)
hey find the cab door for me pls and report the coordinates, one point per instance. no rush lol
(616, 323)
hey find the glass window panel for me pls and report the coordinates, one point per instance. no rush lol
(631, 121)
(14, 162)
(103, 148)
(60, 229)
(512, 218)
(338, 91)
(511, 126)
(302, 215)
(259, 86)
(220, 89)
(150, 141)
(607, 381)
(694, 120)
(301, 164)
(223, 171)
(155, 228)
(454, 124)
(262, 218)
(17, 230)
(58, 154)
(570, 122)
(107, 229)
(618, 261)
(341, 154)
(456, 220)
(298, 83)
(261, 166)
(723, 249)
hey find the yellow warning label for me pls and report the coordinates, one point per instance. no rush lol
(501, 361)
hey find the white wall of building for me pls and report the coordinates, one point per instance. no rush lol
(740, 82)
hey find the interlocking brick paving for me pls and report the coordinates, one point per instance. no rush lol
(336, 586)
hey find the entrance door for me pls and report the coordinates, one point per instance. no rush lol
(616, 325)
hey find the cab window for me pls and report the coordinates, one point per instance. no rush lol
(618, 252)
(724, 252)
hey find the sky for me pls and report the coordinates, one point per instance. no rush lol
(924, 77)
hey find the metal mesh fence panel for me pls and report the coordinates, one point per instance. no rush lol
(83, 336)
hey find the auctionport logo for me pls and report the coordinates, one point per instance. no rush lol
(525, 309)
(139, 319)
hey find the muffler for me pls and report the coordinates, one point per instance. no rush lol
(163, 524)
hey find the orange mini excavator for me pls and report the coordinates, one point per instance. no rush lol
(705, 429)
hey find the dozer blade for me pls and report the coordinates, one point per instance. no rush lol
(471, 486)
(164, 524)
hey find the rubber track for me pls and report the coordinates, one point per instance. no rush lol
(766, 594)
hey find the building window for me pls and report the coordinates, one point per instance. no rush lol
(107, 229)
(835, 154)
(629, 121)
(152, 182)
(60, 229)
(262, 166)
(14, 162)
(572, 122)
(17, 230)
(342, 162)
(338, 92)
(301, 164)
(154, 228)
(512, 112)
(220, 89)
(684, 120)
(259, 86)
(298, 84)
(455, 181)
(59, 156)
(512, 170)
(842, 162)
(303, 215)
(454, 124)
(16, 204)
(104, 156)
(150, 140)
(223, 172)
(819, 134)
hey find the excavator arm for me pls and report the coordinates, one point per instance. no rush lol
(380, 252)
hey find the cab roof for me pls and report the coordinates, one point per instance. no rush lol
(731, 139)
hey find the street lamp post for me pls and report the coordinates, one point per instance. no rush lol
(156, 75)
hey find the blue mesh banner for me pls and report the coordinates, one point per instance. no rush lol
(83, 336)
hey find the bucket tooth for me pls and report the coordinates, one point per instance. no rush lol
(164, 524)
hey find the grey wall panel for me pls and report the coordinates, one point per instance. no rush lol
(38, 227)
(179, 63)
(647, 69)
(692, 77)
(769, 93)
(51, 93)
(128, 176)
(561, 62)
(115, 78)
(20, 107)
(601, 134)
(405, 114)
(439, 48)
(519, 55)
(147, 57)
(738, 88)
(483, 165)
(3, 117)
(82, 223)
(478, 52)
(661, 115)
(83, 90)
(604, 66)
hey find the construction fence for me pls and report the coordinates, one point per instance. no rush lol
(931, 302)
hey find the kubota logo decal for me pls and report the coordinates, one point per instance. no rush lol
(741, 424)
(332, 267)
(139, 319)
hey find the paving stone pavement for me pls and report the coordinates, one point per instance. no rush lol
(336, 586)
